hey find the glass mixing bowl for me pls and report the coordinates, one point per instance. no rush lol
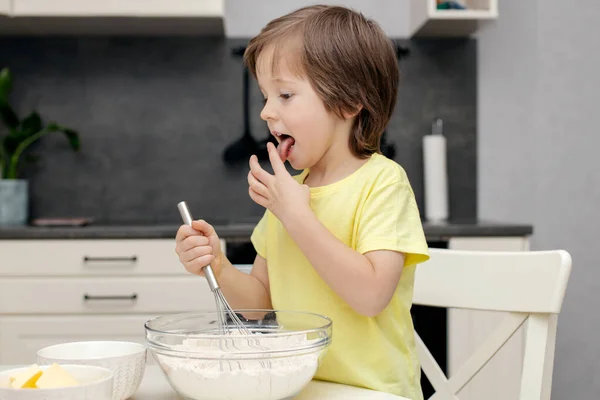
(275, 362)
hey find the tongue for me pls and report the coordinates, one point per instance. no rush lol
(284, 147)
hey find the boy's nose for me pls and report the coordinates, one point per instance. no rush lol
(267, 113)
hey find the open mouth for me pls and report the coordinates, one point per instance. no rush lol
(286, 145)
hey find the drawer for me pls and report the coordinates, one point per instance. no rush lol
(21, 337)
(89, 257)
(116, 295)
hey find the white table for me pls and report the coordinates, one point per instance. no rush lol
(155, 387)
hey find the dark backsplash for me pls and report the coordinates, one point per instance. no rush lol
(155, 115)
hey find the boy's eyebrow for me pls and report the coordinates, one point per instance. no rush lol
(278, 80)
(281, 80)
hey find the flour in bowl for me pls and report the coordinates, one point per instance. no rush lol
(271, 377)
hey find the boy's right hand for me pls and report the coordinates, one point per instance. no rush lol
(198, 246)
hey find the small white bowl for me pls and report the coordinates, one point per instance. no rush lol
(96, 383)
(127, 360)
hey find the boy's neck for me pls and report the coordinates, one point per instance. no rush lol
(333, 167)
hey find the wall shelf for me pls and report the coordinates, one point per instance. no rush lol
(428, 21)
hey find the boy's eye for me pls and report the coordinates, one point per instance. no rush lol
(286, 96)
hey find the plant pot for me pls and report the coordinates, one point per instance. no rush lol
(14, 201)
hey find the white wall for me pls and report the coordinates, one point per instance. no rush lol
(539, 140)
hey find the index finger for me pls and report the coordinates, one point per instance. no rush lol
(276, 163)
(203, 227)
(186, 231)
(259, 173)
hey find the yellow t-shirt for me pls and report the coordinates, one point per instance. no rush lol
(372, 209)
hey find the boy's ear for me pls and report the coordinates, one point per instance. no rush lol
(353, 113)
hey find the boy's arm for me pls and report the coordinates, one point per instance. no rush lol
(366, 282)
(246, 290)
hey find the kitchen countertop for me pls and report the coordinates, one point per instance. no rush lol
(242, 231)
(155, 387)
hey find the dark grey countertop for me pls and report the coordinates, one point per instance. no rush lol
(242, 231)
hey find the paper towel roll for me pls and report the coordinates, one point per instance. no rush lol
(435, 178)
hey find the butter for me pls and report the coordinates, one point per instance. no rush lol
(55, 377)
(26, 379)
(34, 378)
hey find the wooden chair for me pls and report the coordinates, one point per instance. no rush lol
(529, 286)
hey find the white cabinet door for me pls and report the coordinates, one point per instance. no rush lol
(89, 257)
(5, 7)
(100, 295)
(500, 379)
(125, 8)
(22, 337)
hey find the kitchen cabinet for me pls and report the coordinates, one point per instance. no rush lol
(245, 18)
(119, 8)
(54, 291)
(500, 378)
(234, 19)
(5, 7)
(105, 295)
(427, 20)
(399, 19)
(90, 257)
(115, 17)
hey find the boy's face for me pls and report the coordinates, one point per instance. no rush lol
(293, 108)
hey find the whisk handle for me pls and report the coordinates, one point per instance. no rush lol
(186, 216)
(210, 277)
(184, 211)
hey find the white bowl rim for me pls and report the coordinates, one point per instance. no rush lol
(139, 348)
(110, 376)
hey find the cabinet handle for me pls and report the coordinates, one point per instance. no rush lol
(110, 259)
(88, 297)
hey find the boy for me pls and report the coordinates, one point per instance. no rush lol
(343, 237)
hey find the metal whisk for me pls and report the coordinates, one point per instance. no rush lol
(223, 308)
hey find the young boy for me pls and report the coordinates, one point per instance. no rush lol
(341, 238)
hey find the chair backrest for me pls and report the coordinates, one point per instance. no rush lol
(530, 286)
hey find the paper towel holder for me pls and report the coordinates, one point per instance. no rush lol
(437, 126)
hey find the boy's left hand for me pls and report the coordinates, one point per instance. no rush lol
(280, 193)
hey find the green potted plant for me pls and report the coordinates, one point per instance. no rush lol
(14, 143)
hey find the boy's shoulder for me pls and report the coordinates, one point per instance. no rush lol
(381, 171)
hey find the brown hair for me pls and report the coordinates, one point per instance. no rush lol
(348, 60)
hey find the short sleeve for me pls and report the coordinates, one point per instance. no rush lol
(258, 237)
(390, 220)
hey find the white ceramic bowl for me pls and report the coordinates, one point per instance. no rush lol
(96, 383)
(127, 360)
